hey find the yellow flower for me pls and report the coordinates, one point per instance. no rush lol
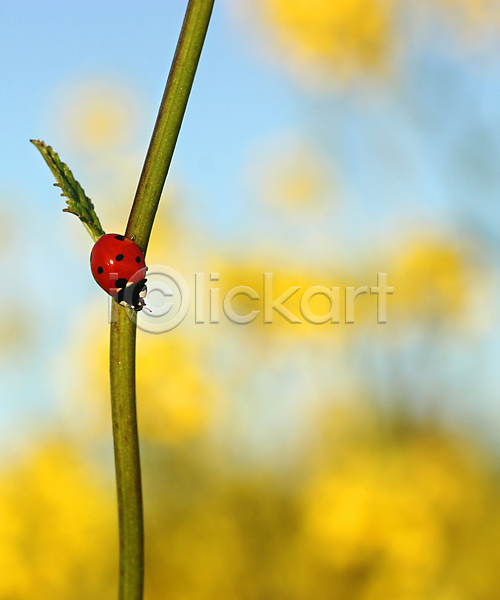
(402, 505)
(284, 278)
(177, 396)
(341, 37)
(97, 116)
(56, 529)
(430, 279)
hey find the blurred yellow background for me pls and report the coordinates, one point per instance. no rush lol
(325, 141)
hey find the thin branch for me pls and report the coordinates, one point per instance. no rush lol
(169, 120)
(123, 329)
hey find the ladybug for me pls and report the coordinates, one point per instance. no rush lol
(117, 264)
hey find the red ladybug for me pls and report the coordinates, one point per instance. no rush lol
(118, 266)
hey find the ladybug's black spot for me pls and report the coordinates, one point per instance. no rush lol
(100, 270)
(120, 237)
(119, 257)
(120, 283)
(137, 259)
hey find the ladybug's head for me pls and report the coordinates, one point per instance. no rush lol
(131, 294)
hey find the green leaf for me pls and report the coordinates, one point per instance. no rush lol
(78, 203)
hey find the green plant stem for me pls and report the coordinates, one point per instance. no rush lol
(123, 329)
(169, 120)
(126, 446)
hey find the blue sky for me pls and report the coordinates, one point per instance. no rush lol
(423, 149)
(49, 46)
